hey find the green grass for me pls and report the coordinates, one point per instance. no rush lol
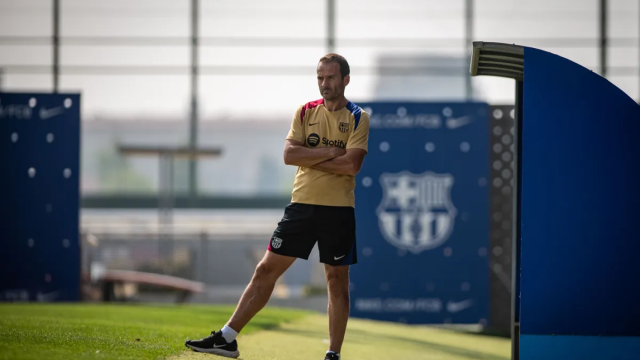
(307, 339)
(97, 331)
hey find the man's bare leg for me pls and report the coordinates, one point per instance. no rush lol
(338, 287)
(259, 290)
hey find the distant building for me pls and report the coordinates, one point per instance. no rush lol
(424, 78)
(251, 163)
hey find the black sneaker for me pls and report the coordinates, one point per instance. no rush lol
(332, 356)
(215, 344)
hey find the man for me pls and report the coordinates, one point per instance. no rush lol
(328, 142)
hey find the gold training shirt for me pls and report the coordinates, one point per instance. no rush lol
(315, 126)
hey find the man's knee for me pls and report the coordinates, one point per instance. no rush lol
(271, 267)
(338, 281)
(265, 273)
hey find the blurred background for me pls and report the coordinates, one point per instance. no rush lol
(226, 76)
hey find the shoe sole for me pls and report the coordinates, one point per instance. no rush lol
(221, 352)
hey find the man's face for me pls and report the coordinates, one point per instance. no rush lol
(330, 82)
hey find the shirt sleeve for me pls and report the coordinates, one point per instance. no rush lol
(359, 138)
(297, 130)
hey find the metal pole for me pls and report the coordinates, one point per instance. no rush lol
(331, 26)
(468, 46)
(204, 258)
(515, 247)
(603, 38)
(56, 45)
(165, 208)
(193, 124)
(169, 214)
(162, 166)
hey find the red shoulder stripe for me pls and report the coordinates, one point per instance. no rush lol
(308, 106)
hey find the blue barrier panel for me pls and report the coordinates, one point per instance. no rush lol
(579, 347)
(580, 208)
(422, 214)
(39, 197)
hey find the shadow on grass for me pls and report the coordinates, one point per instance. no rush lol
(360, 336)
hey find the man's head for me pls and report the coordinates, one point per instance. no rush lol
(333, 76)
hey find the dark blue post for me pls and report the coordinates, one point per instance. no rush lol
(577, 207)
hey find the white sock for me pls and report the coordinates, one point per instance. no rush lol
(333, 352)
(229, 334)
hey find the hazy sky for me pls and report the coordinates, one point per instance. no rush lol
(226, 93)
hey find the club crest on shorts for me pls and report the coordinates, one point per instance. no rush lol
(343, 127)
(416, 212)
(276, 242)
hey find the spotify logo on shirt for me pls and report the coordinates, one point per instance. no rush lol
(313, 140)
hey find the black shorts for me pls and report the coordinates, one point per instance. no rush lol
(333, 227)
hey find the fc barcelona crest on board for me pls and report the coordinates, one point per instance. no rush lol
(416, 212)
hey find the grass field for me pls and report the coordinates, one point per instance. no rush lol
(86, 331)
(90, 331)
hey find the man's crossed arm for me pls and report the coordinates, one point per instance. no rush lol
(333, 160)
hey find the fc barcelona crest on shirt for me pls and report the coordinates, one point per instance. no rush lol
(344, 127)
(276, 242)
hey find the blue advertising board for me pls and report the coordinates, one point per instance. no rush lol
(422, 212)
(39, 197)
